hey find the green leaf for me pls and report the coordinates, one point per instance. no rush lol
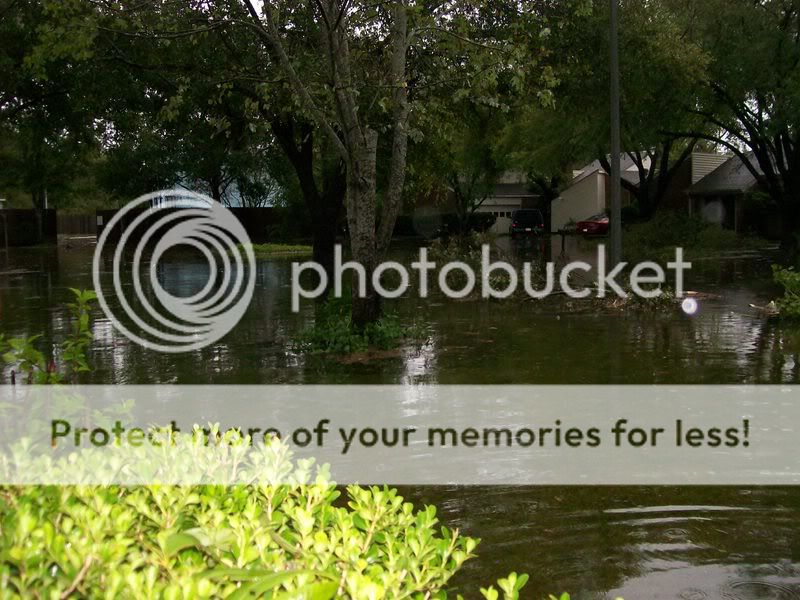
(316, 591)
(264, 584)
(180, 541)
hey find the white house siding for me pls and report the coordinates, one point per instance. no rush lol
(501, 208)
(584, 198)
(511, 193)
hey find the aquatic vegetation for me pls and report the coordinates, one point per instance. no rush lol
(334, 332)
(789, 305)
(34, 366)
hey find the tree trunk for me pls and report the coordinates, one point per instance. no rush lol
(215, 187)
(38, 199)
(361, 205)
(790, 225)
(323, 242)
(324, 204)
(354, 139)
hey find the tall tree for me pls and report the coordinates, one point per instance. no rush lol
(660, 72)
(46, 108)
(462, 162)
(751, 97)
(378, 62)
(353, 136)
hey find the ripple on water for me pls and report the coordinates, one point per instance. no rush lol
(760, 590)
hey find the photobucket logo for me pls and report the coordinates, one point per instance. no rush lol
(140, 307)
(644, 279)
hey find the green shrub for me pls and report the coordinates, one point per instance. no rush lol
(286, 541)
(789, 279)
(670, 229)
(468, 249)
(333, 331)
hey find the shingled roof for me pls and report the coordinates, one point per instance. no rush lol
(731, 177)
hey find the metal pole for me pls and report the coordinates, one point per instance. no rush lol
(615, 216)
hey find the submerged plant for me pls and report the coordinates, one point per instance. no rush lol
(789, 279)
(334, 332)
(33, 366)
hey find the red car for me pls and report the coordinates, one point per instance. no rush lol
(595, 225)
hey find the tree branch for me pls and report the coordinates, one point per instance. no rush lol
(269, 33)
(397, 168)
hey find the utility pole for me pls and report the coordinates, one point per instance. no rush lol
(615, 216)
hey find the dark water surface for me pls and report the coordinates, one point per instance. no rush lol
(689, 543)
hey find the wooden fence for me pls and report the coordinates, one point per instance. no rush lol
(70, 224)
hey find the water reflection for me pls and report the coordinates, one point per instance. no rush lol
(689, 543)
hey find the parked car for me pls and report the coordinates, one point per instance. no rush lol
(526, 221)
(594, 225)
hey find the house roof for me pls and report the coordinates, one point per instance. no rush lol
(628, 169)
(731, 177)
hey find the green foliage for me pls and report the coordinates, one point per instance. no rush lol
(333, 332)
(285, 540)
(658, 72)
(752, 97)
(510, 587)
(74, 348)
(467, 249)
(671, 229)
(789, 279)
(35, 367)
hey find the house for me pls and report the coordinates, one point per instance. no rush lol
(510, 193)
(430, 209)
(588, 192)
(720, 196)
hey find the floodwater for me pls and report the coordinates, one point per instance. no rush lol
(601, 542)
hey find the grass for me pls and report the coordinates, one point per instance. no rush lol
(271, 250)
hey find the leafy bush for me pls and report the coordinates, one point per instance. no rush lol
(242, 541)
(789, 279)
(670, 229)
(333, 331)
(282, 541)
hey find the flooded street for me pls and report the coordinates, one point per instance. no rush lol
(661, 542)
